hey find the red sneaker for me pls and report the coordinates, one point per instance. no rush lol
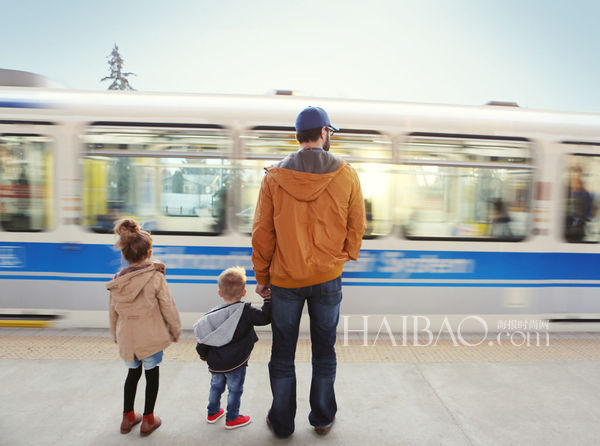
(240, 421)
(213, 418)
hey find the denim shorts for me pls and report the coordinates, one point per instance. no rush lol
(149, 363)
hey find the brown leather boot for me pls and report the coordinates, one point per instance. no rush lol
(324, 430)
(149, 425)
(130, 419)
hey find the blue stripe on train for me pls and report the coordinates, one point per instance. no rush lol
(345, 282)
(208, 261)
(20, 104)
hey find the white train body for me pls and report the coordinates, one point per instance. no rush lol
(189, 167)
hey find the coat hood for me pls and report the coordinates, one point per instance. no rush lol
(303, 186)
(126, 288)
(216, 328)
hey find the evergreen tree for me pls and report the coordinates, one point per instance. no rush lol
(119, 78)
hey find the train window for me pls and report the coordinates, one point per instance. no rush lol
(463, 187)
(467, 149)
(208, 140)
(173, 180)
(263, 146)
(26, 171)
(369, 152)
(581, 178)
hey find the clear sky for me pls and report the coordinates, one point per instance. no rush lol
(541, 54)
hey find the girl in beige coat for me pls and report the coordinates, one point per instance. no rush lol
(143, 320)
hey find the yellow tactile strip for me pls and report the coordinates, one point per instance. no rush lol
(65, 347)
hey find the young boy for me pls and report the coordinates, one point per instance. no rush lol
(226, 338)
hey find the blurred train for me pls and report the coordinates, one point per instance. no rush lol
(487, 211)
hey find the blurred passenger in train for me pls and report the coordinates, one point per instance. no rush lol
(5, 163)
(579, 207)
(143, 320)
(500, 220)
(309, 220)
(18, 217)
(369, 215)
(106, 222)
(219, 206)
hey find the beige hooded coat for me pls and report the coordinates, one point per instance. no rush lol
(143, 315)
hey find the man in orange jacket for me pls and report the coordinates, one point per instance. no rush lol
(309, 220)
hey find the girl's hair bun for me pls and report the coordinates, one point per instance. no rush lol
(134, 242)
(127, 225)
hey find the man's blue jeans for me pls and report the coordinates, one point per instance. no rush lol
(235, 385)
(324, 310)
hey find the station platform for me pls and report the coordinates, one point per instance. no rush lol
(65, 387)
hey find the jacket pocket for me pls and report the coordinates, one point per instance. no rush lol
(231, 355)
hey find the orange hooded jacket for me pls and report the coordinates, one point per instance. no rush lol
(306, 225)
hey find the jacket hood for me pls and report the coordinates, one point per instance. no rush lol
(303, 186)
(217, 327)
(126, 288)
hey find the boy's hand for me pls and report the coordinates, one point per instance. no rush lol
(175, 338)
(264, 291)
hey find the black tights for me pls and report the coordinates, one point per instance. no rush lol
(131, 386)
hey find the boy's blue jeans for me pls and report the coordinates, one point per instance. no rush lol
(323, 301)
(235, 385)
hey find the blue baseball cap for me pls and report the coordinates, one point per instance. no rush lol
(312, 118)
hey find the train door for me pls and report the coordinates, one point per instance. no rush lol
(470, 194)
(579, 226)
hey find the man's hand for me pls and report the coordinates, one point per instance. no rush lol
(264, 291)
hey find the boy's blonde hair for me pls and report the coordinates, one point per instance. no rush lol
(232, 282)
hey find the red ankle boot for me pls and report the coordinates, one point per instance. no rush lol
(130, 419)
(149, 425)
